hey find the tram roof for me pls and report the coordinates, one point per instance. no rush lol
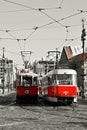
(30, 73)
(62, 71)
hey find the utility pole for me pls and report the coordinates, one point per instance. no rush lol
(3, 63)
(83, 56)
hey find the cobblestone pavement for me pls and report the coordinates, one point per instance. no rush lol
(43, 117)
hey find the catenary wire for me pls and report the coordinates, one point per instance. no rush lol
(11, 11)
(61, 3)
(71, 40)
(20, 4)
(39, 9)
(61, 19)
(7, 31)
(51, 17)
(59, 7)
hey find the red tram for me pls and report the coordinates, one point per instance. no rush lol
(60, 85)
(27, 86)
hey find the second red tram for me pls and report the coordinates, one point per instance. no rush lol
(27, 86)
(60, 85)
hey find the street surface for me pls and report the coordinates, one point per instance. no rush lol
(42, 116)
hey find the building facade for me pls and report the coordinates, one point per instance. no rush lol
(6, 73)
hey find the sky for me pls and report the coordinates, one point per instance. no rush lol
(40, 26)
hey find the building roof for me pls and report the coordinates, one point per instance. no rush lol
(68, 51)
(74, 53)
(80, 57)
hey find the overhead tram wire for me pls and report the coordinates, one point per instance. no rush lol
(66, 39)
(71, 40)
(43, 26)
(13, 37)
(35, 28)
(13, 30)
(12, 52)
(51, 8)
(58, 7)
(40, 10)
(7, 31)
(38, 28)
(50, 23)
(81, 11)
(29, 36)
(67, 31)
(18, 40)
(66, 36)
(20, 4)
(72, 15)
(62, 19)
(25, 39)
(4, 38)
(61, 3)
(51, 17)
(11, 11)
(58, 21)
(32, 33)
(31, 8)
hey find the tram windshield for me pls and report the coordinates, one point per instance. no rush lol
(27, 81)
(62, 79)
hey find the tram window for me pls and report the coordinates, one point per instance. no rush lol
(27, 81)
(18, 81)
(49, 81)
(65, 79)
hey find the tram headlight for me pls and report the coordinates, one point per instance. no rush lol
(26, 91)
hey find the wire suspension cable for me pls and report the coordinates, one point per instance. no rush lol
(61, 3)
(10, 11)
(31, 34)
(10, 34)
(67, 17)
(51, 18)
(31, 8)
(20, 4)
(24, 44)
(19, 44)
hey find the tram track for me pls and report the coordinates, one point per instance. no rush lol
(43, 115)
(41, 106)
(65, 111)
